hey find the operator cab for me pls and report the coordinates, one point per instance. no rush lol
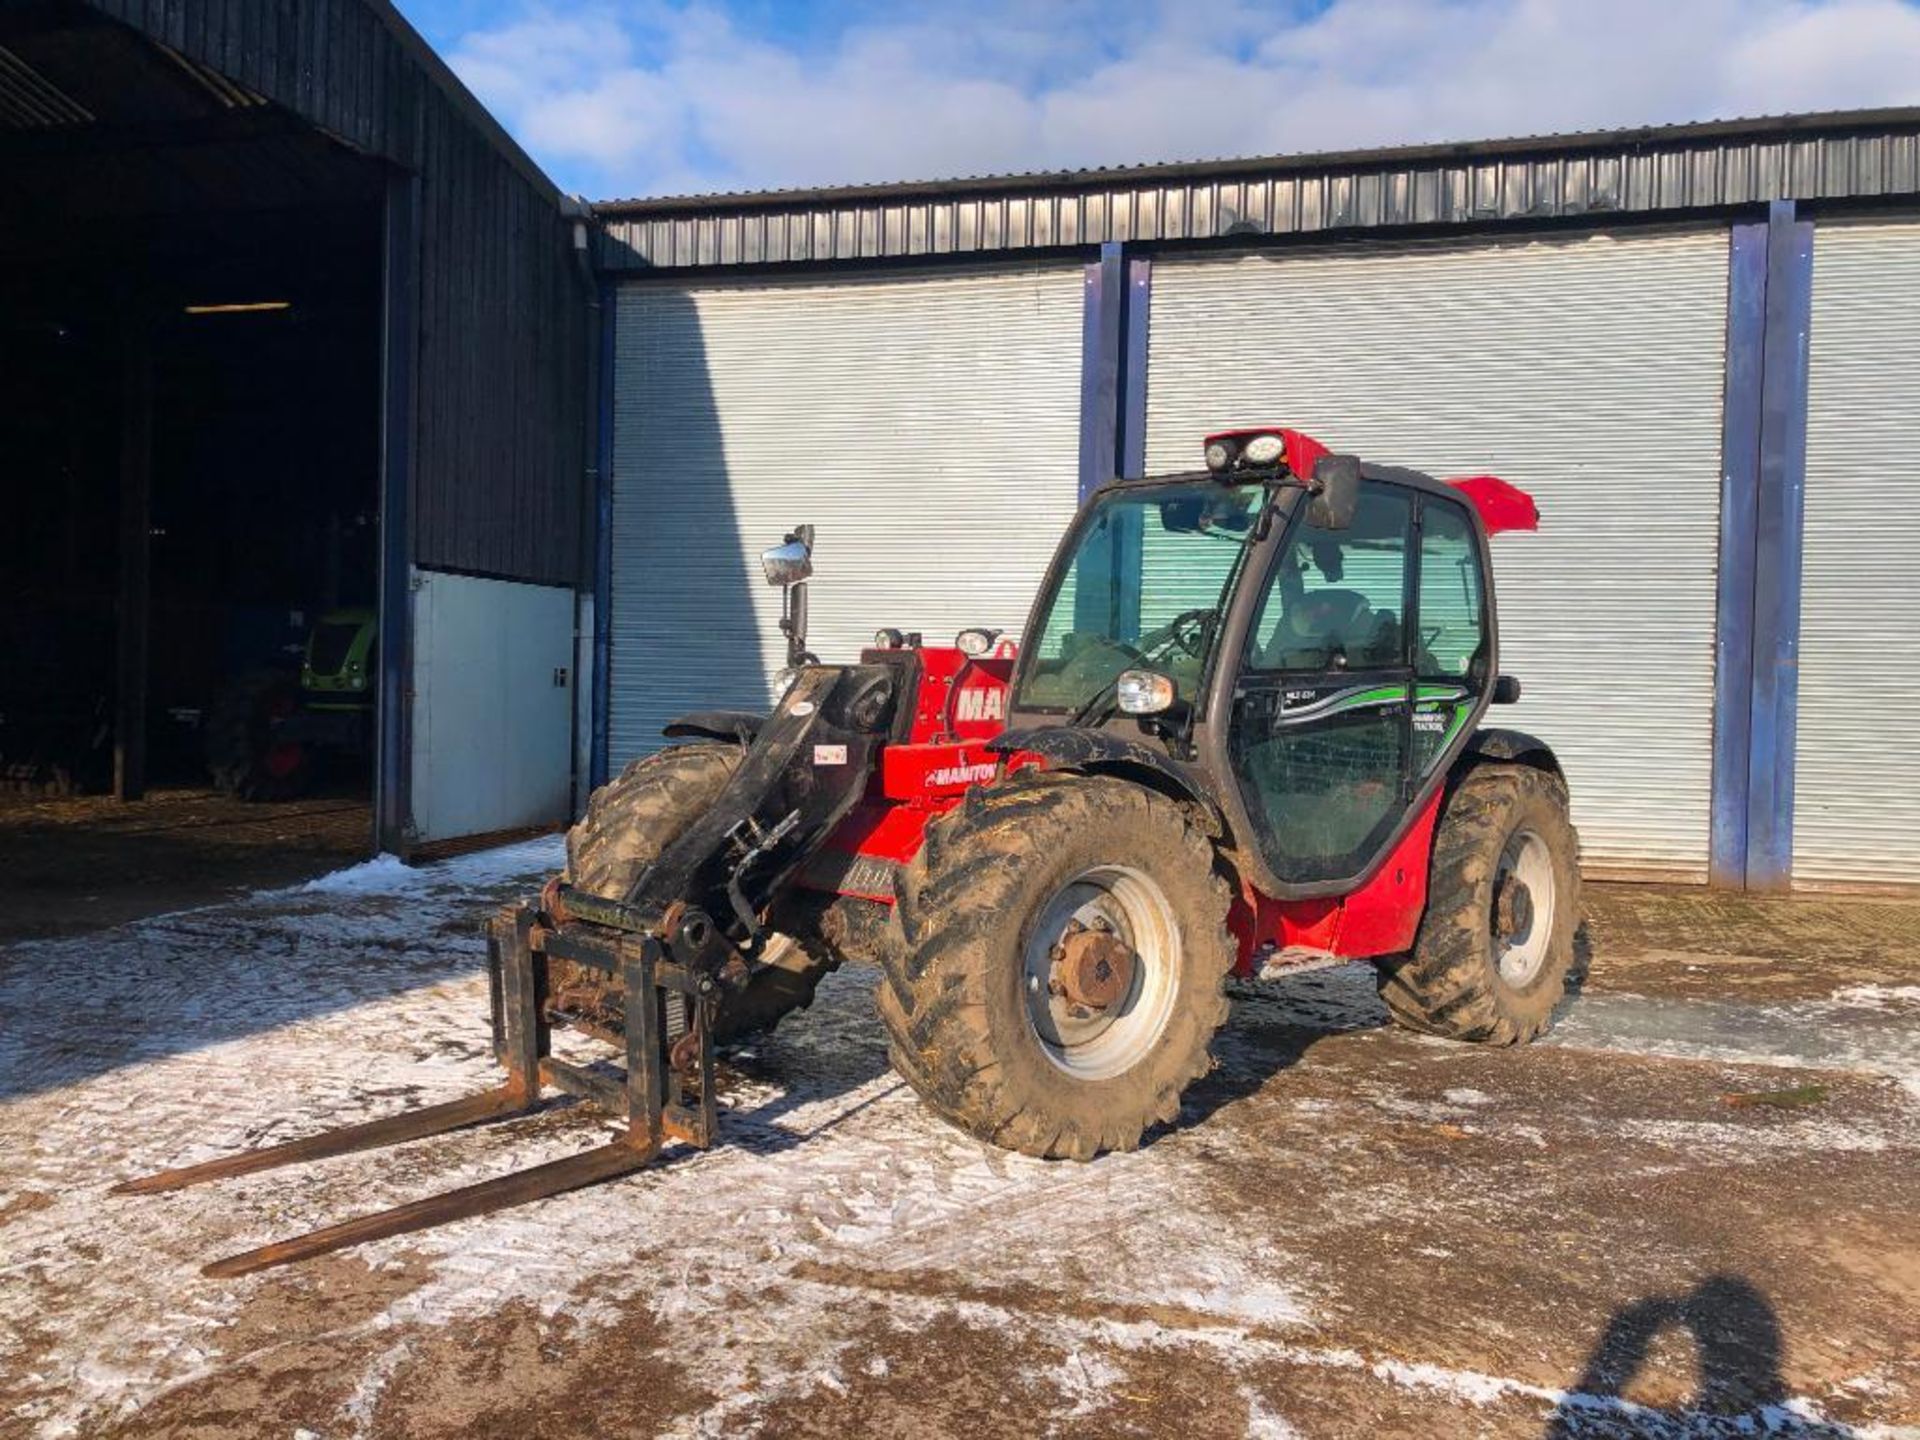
(1306, 638)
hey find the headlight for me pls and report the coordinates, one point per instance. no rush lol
(1142, 692)
(888, 638)
(976, 642)
(1264, 449)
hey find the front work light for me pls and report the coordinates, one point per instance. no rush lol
(976, 642)
(888, 638)
(1264, 449)
(1220, 455)
(1144, 692)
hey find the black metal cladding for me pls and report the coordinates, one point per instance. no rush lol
(1632, 173)
(500, 373)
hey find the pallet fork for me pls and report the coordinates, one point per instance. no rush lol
(684, 935)
(664, 1094)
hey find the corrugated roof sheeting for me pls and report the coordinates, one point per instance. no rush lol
(1180, 203)
(353, 67)
(30, 101)
(332, 61)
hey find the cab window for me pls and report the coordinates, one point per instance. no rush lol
(1453, 630)
(1336, 598)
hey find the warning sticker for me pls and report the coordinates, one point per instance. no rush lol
(829, 754)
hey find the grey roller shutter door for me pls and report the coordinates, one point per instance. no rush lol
(927, 425)
(1856, 811)
(1588, 371)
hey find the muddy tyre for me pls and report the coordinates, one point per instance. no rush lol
(1495, 956)
(628, 823)
(997, 1006)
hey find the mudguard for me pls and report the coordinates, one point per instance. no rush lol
(738, 725)
(1098, 752)
(1511, 745)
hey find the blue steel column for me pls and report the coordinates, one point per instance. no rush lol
(1133, 371)
(1739, 492)
(597, 760)
(1779, 520)
(1129, 539)
(399, 346)
(1102, 325)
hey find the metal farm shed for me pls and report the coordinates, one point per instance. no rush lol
(1688, 341)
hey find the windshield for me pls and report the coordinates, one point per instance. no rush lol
(1148, 581)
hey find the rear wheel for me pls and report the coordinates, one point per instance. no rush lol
(628, 823)
(1058, 964)
(1495, 955)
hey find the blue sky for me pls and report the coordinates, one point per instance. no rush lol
(664, 97)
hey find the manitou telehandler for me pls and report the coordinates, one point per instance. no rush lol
(1241, 737)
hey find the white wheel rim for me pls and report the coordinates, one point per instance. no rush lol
(1094, 1045)
(1521, 951)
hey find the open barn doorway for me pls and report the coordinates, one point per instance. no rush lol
(190, 390)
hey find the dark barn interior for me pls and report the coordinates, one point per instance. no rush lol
(190, 383)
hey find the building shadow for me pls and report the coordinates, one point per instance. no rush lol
(1740, 1391)
(693, 624)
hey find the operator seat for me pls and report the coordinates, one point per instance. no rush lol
(1316, 627)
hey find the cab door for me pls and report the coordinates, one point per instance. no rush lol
(1346, 700)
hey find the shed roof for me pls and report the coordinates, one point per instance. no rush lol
(1705, 165)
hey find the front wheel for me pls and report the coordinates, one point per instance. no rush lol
(628, 823)
(1496, 952)
(1057, 964)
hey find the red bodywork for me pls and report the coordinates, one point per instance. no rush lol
(1502, 506)
(962, 704)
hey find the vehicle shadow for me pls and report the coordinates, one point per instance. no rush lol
(1273, 1025)
(1275, 1022)
(1740, 1391)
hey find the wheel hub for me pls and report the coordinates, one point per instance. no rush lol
(1100, 971)
(1094, 969)
(1513, 908)
(1524, 902)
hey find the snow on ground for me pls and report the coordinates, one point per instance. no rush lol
(181, 1037)
(246, 1024)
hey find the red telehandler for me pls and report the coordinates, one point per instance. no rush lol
(1242, 737)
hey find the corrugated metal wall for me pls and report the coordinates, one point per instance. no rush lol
(498, 457)
(1588, 371)
(926, 424)
(1856, 811)
(501, 392)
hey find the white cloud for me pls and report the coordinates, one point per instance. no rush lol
(657, 98)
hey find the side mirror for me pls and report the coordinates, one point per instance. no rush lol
(787, 564)
(1506, 690)
(1337, 478)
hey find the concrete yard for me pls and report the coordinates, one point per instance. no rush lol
(1696, 1211)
